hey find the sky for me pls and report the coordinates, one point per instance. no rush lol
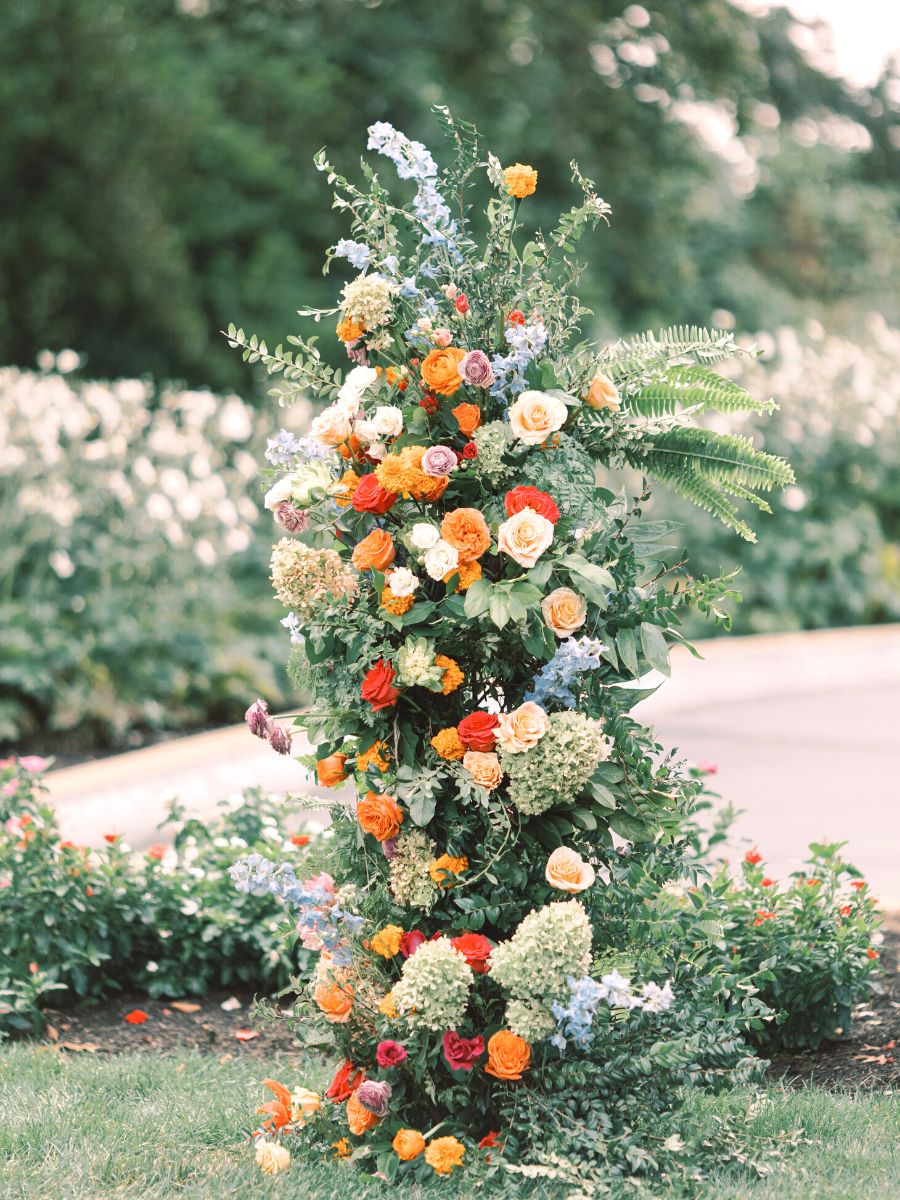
(865, 32)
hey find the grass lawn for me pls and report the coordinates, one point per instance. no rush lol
(81, 1127)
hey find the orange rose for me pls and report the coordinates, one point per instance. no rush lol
(466, 530)
(330, 771)
(468, 418)
(381, 816)
(376, 551)
(484, 767)
(358, 1118)
(408, 1144)
(603, 393)
(440, 370)
(335, 999)
(508, 1055)
(564, 611)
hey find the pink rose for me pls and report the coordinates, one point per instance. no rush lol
(443, 337)
(476, 369)
(33, 763)
(389, 1054)
(294, 520)
(438, 461)
(410, 942)
(462, 1053)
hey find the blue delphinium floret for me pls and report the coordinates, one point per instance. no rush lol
(573, 657)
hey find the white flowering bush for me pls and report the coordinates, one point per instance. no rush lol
(132, 559)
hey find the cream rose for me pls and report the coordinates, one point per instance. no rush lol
(354, 385)
(525, 536)
(521, 729)
(568, 872)
(423, 536)
(441, 559)
(386, 422)
(272, 1158)
(484, 767)
(402, 582)
(564, 611)
(603, 393)
(304, 1103)
(278, 493)
(535, 415)
(331, 427)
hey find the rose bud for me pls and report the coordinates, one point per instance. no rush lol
(280, 739)
(257, 718)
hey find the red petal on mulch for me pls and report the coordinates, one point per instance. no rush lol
(137, 1016)
(245, 1035)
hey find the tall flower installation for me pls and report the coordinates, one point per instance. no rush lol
(469, 609)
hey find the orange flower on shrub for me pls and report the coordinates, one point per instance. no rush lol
(402, 473)
(398, 605)
(508, 1055)
(330, 771)
(335, 998)
(408, 1144)
(444, 868)
(379, 815)
(376, 756)
(452, 676)
(444, 1153)
(348, 482)
(466, 573)
(386, 941)
(279, 1110)
(520, 180)
(375, 552)
(360, 1119)
(349, 330)
(468, 418)
(346, 1080)
(440, 370)
(387, 1006)
(448, 745)
(466, 530)
(342, 1148)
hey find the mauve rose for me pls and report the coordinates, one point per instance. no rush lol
(375, 1096)
(438, 461)
(257, 718)
(389, 848)
(294, 520)
(476, 369)
(280, 739)
(410, 942)
(461, 1053)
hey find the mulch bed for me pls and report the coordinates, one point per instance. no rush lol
(868, 1058)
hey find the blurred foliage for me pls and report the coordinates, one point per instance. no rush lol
(155, 158)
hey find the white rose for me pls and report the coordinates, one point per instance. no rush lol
(402, 582)
(388, 421)
(279, 493)
(377, 451)
(441, 559)
(331, 427)
(525, 536)
(355, 384)
(424, 536)
(535, 415)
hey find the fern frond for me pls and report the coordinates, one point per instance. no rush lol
(711, 497)
(694, 387)
(640, 356)
(724, 457)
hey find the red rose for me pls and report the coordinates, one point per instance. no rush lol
(410, 942)
(345, 1082)
(476, 731)
(529, 497)
(369, 496)
(376, 687)
(470, 450)
(461, 1053)
(389, 1054)
(475, 949)
(462, 304)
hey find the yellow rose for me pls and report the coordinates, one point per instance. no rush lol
(484, 767)
(568, 872)
(525, 536)
(603, 393)
(304, 1103)
(521, 729)
(520, 180)
(564, 611)
(272, 1158)
(331, 427)
(535, 415)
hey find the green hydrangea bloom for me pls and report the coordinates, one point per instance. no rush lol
(559, 766)
(410, 882)
(416, 666)
(530, 1021)
(434, 987)
(551, 944)
(492, 441)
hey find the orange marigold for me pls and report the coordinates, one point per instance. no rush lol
(387, 1007)
(452, 677)
(402, 473)
(347, 482)
(520, 180)
(466, 530)
(398, 605)
(342, 1148)
(376, 756)
(349, 330)
(442, 868)
(444, 1153)
(468, 572)
(386, 941)
(448, 744)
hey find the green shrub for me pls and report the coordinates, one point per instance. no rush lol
(167, 921)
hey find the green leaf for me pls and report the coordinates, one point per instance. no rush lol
(499, 609)
(478, 599)
(654, 647)
(628, 827)
(627, 650)
(422, 807)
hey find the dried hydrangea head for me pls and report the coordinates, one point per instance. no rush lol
(308, 580)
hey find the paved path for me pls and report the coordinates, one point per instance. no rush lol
(803, 728)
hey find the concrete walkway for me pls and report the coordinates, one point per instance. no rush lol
(803, 728)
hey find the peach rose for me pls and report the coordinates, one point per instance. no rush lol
(330, 771)
(568, 872)
(564, 611)
(408, 1144)
(468, 418)
(484, 767)
(360, 1119)
(603, 393)
(335, 998)
(522, 729)
(466, 530)
(331, 427)
(440, 370)
(375, 551)
(381, 816)
(508, 1055)
(535, 415)
(525, 536)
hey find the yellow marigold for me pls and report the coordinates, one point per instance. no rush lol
(386, 942)
(467, 572)
(444, 1153)
(442, 868)
(448, 744)
(387, 1007)
(349, 330)
(342, 1148)
(453, 676)
(402, 473)
(398, 605)
(521, 180)
(347, 484)
(375, 756)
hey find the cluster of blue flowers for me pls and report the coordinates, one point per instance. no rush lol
(414, 161)
(314, 901)
(526, 343)
(573, 657)
(283, 449)
(357, 254)
(575, 1019)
